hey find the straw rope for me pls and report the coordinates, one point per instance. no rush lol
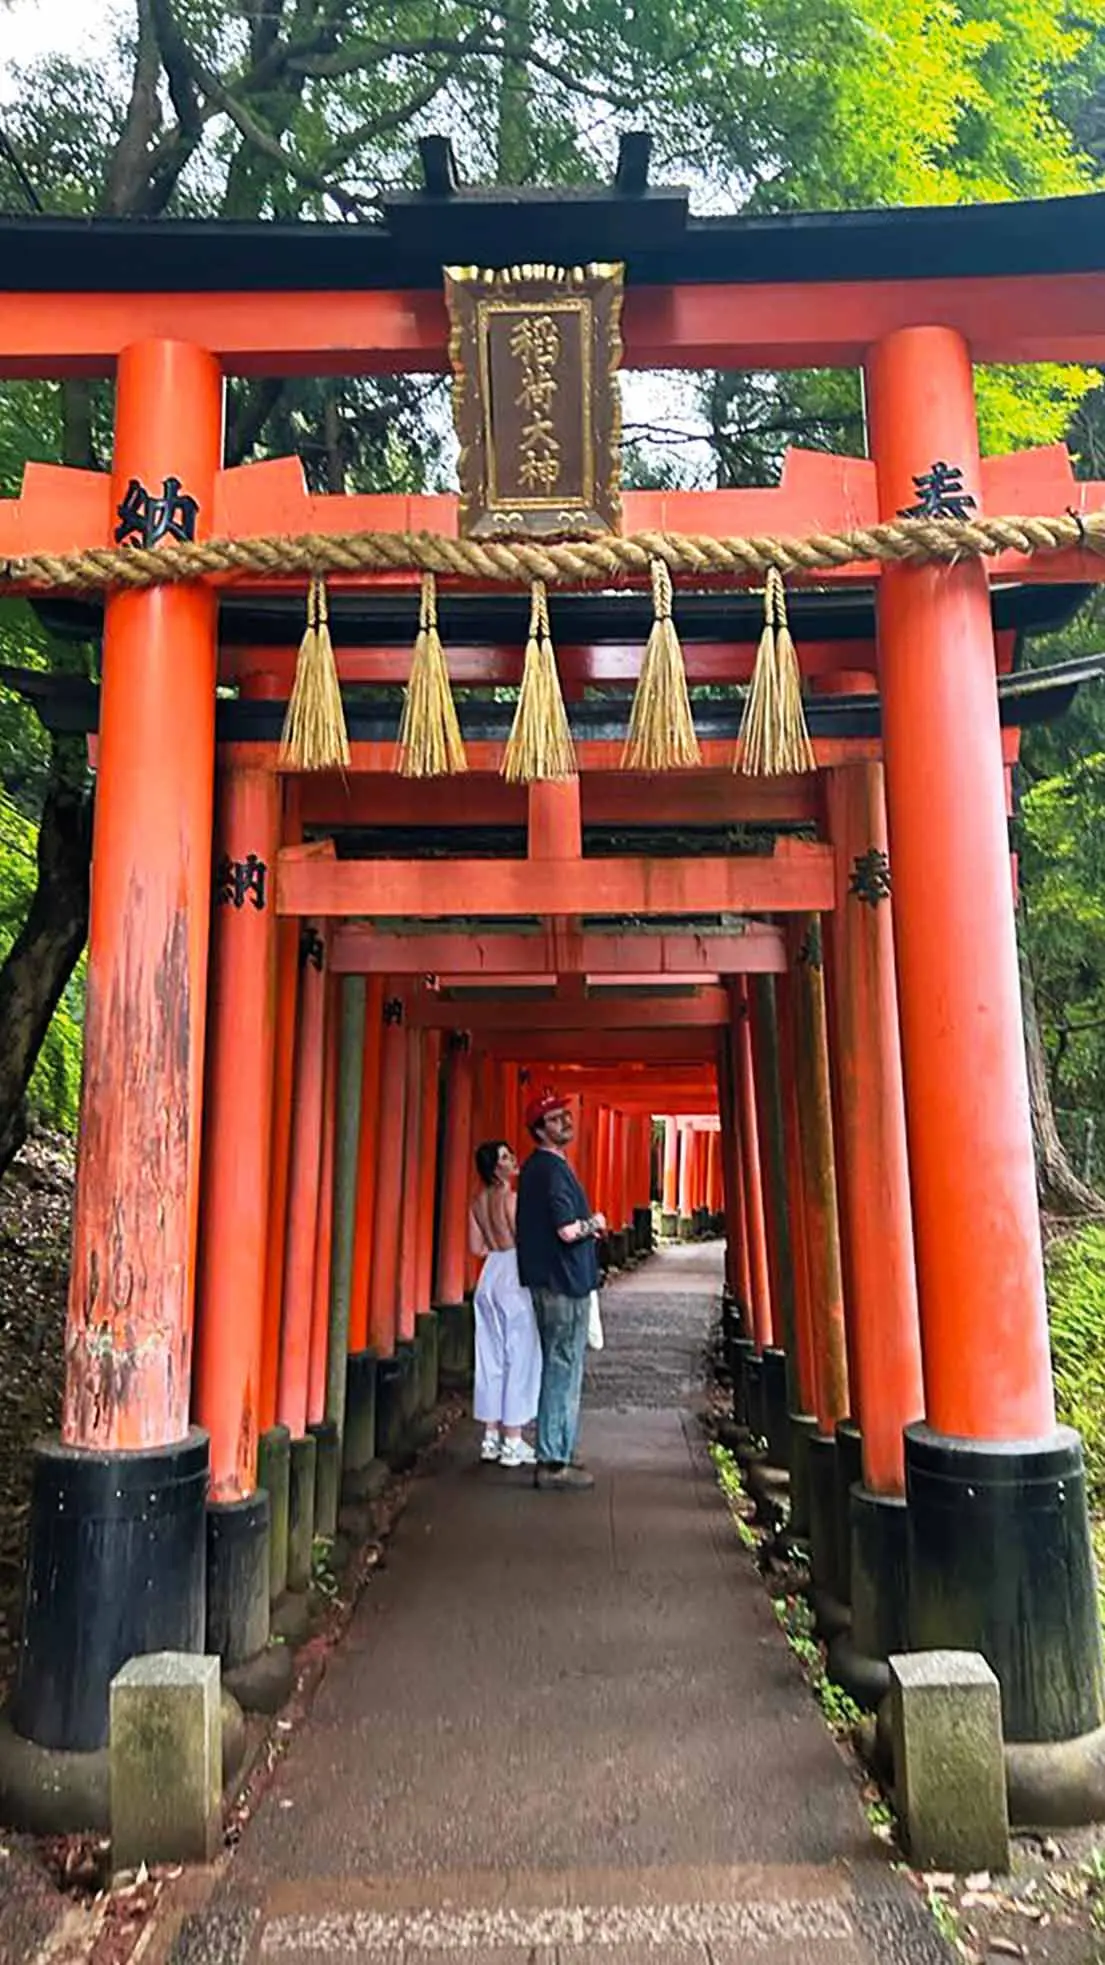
(571, 562)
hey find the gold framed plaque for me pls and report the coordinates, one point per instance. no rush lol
(535, 353)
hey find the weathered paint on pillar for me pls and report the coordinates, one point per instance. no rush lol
(431, 1096)
(351, 1036)
(976, 1222)
(365, 1204)
(287, 1001)
(811, 1060)
(760, 1303)
(876, 1217)
(796, 1194)
(406, 1303)
(238, 1129)
(686, 1169)
(773, 1172)
(456, 1177)
(324, 1231)
(670, 1198)
(304, 1169)
(713, 1173)
(387, 1208)
(128, 1341)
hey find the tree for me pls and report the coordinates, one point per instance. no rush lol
(308, 108)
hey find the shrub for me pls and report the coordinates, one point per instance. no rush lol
(1076, 1302)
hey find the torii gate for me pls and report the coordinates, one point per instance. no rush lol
(901, 1282)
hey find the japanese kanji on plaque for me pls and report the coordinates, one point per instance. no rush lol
(535, 353)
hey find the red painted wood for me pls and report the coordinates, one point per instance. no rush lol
(798, 876)
(128, 1337)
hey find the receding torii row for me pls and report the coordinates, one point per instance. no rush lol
(897, 1282)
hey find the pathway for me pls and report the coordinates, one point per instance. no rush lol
(565, 1730)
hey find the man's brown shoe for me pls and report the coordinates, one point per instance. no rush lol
(564, 1480)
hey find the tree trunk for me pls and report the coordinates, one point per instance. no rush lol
(1060, 1190)
(48, 946)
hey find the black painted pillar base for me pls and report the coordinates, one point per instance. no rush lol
(116, 1567)
(685, 1227)
(849, 1474)
(829, 1606)
(274, 1454)
(364, 1477)
(407, 1353)
(754, 1401)
(327, 1441)
(880, 1597)
(776, 1414)
(429, 1367)
(456, 1346)
(238, 1578)
(301, 1512)
(1000, 1561)
(642, 1230)
(669, 1225)
(741, 1352)
(802, 1426)
(389, 1411)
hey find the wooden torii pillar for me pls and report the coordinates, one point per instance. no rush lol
(999, 1549)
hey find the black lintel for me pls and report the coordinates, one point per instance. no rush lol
(498, 620)
(70, 705)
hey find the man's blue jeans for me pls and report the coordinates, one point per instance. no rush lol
(562, 1326)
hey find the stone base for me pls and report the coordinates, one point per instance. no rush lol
(327, 1477)
(291, 1618)
(263, 1684)
(238, 1578)
(858, 1657)
(1000, 1563)
(364, 1484)
(47, 1791)
(274, 1450)
(769, 1488)
(1057, 1784)
(685, 1228)
(165, 1755)
(301, 1512)
(669, 1225)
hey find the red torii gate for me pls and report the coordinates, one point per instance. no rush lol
(935, 1253)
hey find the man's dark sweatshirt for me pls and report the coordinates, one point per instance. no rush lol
(549, 1197)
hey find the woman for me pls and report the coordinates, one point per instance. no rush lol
(508, 1350)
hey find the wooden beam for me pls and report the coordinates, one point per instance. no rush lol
(819, 324)
(797, 878)
(578, 664)
(603, 1047)
(360, 950)
(609, 798)
(485, 758)
(504, 1017)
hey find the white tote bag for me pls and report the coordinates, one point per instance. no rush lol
(595, 1338)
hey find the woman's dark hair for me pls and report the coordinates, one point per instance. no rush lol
(487, 1159)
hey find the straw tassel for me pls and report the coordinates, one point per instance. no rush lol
(314, 737)
(661, 725)
(540, 743)
(430, 743)
(774, 740)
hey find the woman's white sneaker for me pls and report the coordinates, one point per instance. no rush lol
(492, 1447)
(517, 1453)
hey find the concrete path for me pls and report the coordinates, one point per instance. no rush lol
(566, 1729)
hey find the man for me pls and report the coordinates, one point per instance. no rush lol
(556, 1235)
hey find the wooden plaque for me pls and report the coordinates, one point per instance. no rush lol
(535, 353)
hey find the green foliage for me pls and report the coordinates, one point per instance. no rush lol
(1076, 1303)
(54, 1091)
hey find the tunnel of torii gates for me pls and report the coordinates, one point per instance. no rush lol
(310, 994)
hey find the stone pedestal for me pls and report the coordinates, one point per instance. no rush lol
(949, 1768)
(166, 1761)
